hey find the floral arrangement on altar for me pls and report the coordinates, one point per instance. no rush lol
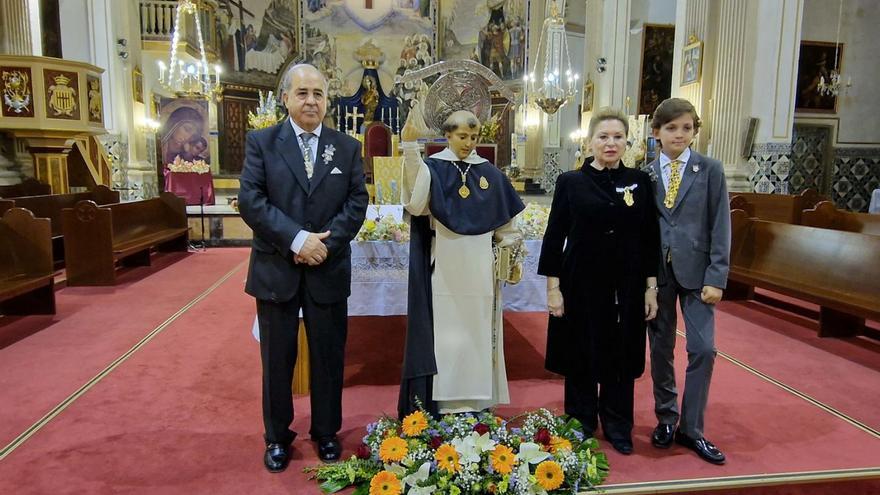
(267, 113)
(536, 453)
(383, 228)
(193, 167)
(533, 221)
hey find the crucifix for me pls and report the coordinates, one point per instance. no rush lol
(354, 116)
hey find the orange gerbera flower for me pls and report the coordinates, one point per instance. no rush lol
(503, 459)
(447, 458)
(393, 449)
(384, 483)
(559, 443)
(414, 424)
(549, 475)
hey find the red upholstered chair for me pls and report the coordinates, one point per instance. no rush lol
(377, 142)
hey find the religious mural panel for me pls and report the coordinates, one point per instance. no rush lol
(17, 88)
(62, 94)
(491, 32)
(258, 38)
(184, 130)
(363, 46)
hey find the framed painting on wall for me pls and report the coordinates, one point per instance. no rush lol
(692, 61)
(656, 79)
(816, 62)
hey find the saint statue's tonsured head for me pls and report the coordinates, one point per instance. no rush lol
(462, 131)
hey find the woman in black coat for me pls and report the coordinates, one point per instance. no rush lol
(600, 256)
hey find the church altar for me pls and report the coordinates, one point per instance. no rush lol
(380, 271)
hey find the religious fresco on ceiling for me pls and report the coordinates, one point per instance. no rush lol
(257, 39)
(491, 32)
(334, 30)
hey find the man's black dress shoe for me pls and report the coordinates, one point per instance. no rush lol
(625, 447)
(662, 437)
(277, 457)
(702, 447)
(329, 449)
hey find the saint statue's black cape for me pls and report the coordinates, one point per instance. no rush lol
(483, 211)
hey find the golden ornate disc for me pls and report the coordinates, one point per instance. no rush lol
(464, 192)
(484, 184)
(628, 197)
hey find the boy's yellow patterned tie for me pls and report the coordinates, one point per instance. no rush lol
(674, 182)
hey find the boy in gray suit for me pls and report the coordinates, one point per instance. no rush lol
(694, 211)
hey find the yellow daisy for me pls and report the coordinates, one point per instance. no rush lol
(447, 458)
(384, 483)
(559, 443)
(503, 459)
(414, 424)
(549, 475)
(393, 449)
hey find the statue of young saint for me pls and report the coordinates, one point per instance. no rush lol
(463, 210)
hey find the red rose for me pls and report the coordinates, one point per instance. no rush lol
(436, 442)
(481, 429)
(542, 436)
(363, 451)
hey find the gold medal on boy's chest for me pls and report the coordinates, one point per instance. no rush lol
(464, 192)
(484, 184)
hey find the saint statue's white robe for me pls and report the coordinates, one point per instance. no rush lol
(468, 330)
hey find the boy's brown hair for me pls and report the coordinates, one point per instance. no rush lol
(673, 108)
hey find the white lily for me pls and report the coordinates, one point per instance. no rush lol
(531, 453)
(419, 476)
(467, 449)
(484, 442)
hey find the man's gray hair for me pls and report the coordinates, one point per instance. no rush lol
(288, 76)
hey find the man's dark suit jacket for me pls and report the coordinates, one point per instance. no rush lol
(277, 200)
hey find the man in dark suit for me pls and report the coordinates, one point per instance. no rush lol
(304, 196)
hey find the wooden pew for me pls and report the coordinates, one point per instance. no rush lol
(27, 281)
(95, 238)
(839, 271)
(826, 216)
(783, 208)
(30, 187)
(50, 206)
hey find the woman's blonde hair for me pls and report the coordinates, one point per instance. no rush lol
(608, 113)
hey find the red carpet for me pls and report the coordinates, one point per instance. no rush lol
(182, 413)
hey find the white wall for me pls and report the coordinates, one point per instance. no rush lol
(75, 35)
(645, 12)
(859, 108)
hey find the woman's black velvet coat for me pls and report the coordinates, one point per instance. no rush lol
(602, 250)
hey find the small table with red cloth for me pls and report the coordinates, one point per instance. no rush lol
(191, 186)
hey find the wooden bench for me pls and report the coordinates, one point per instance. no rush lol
(839, 271)
(30, 187)
(826, 216)
(775, 207)
(50, 206)
(27, 281)
(96, 237)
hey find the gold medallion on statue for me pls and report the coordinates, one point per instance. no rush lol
(628, 196)
(464, 192)
(484, 184)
